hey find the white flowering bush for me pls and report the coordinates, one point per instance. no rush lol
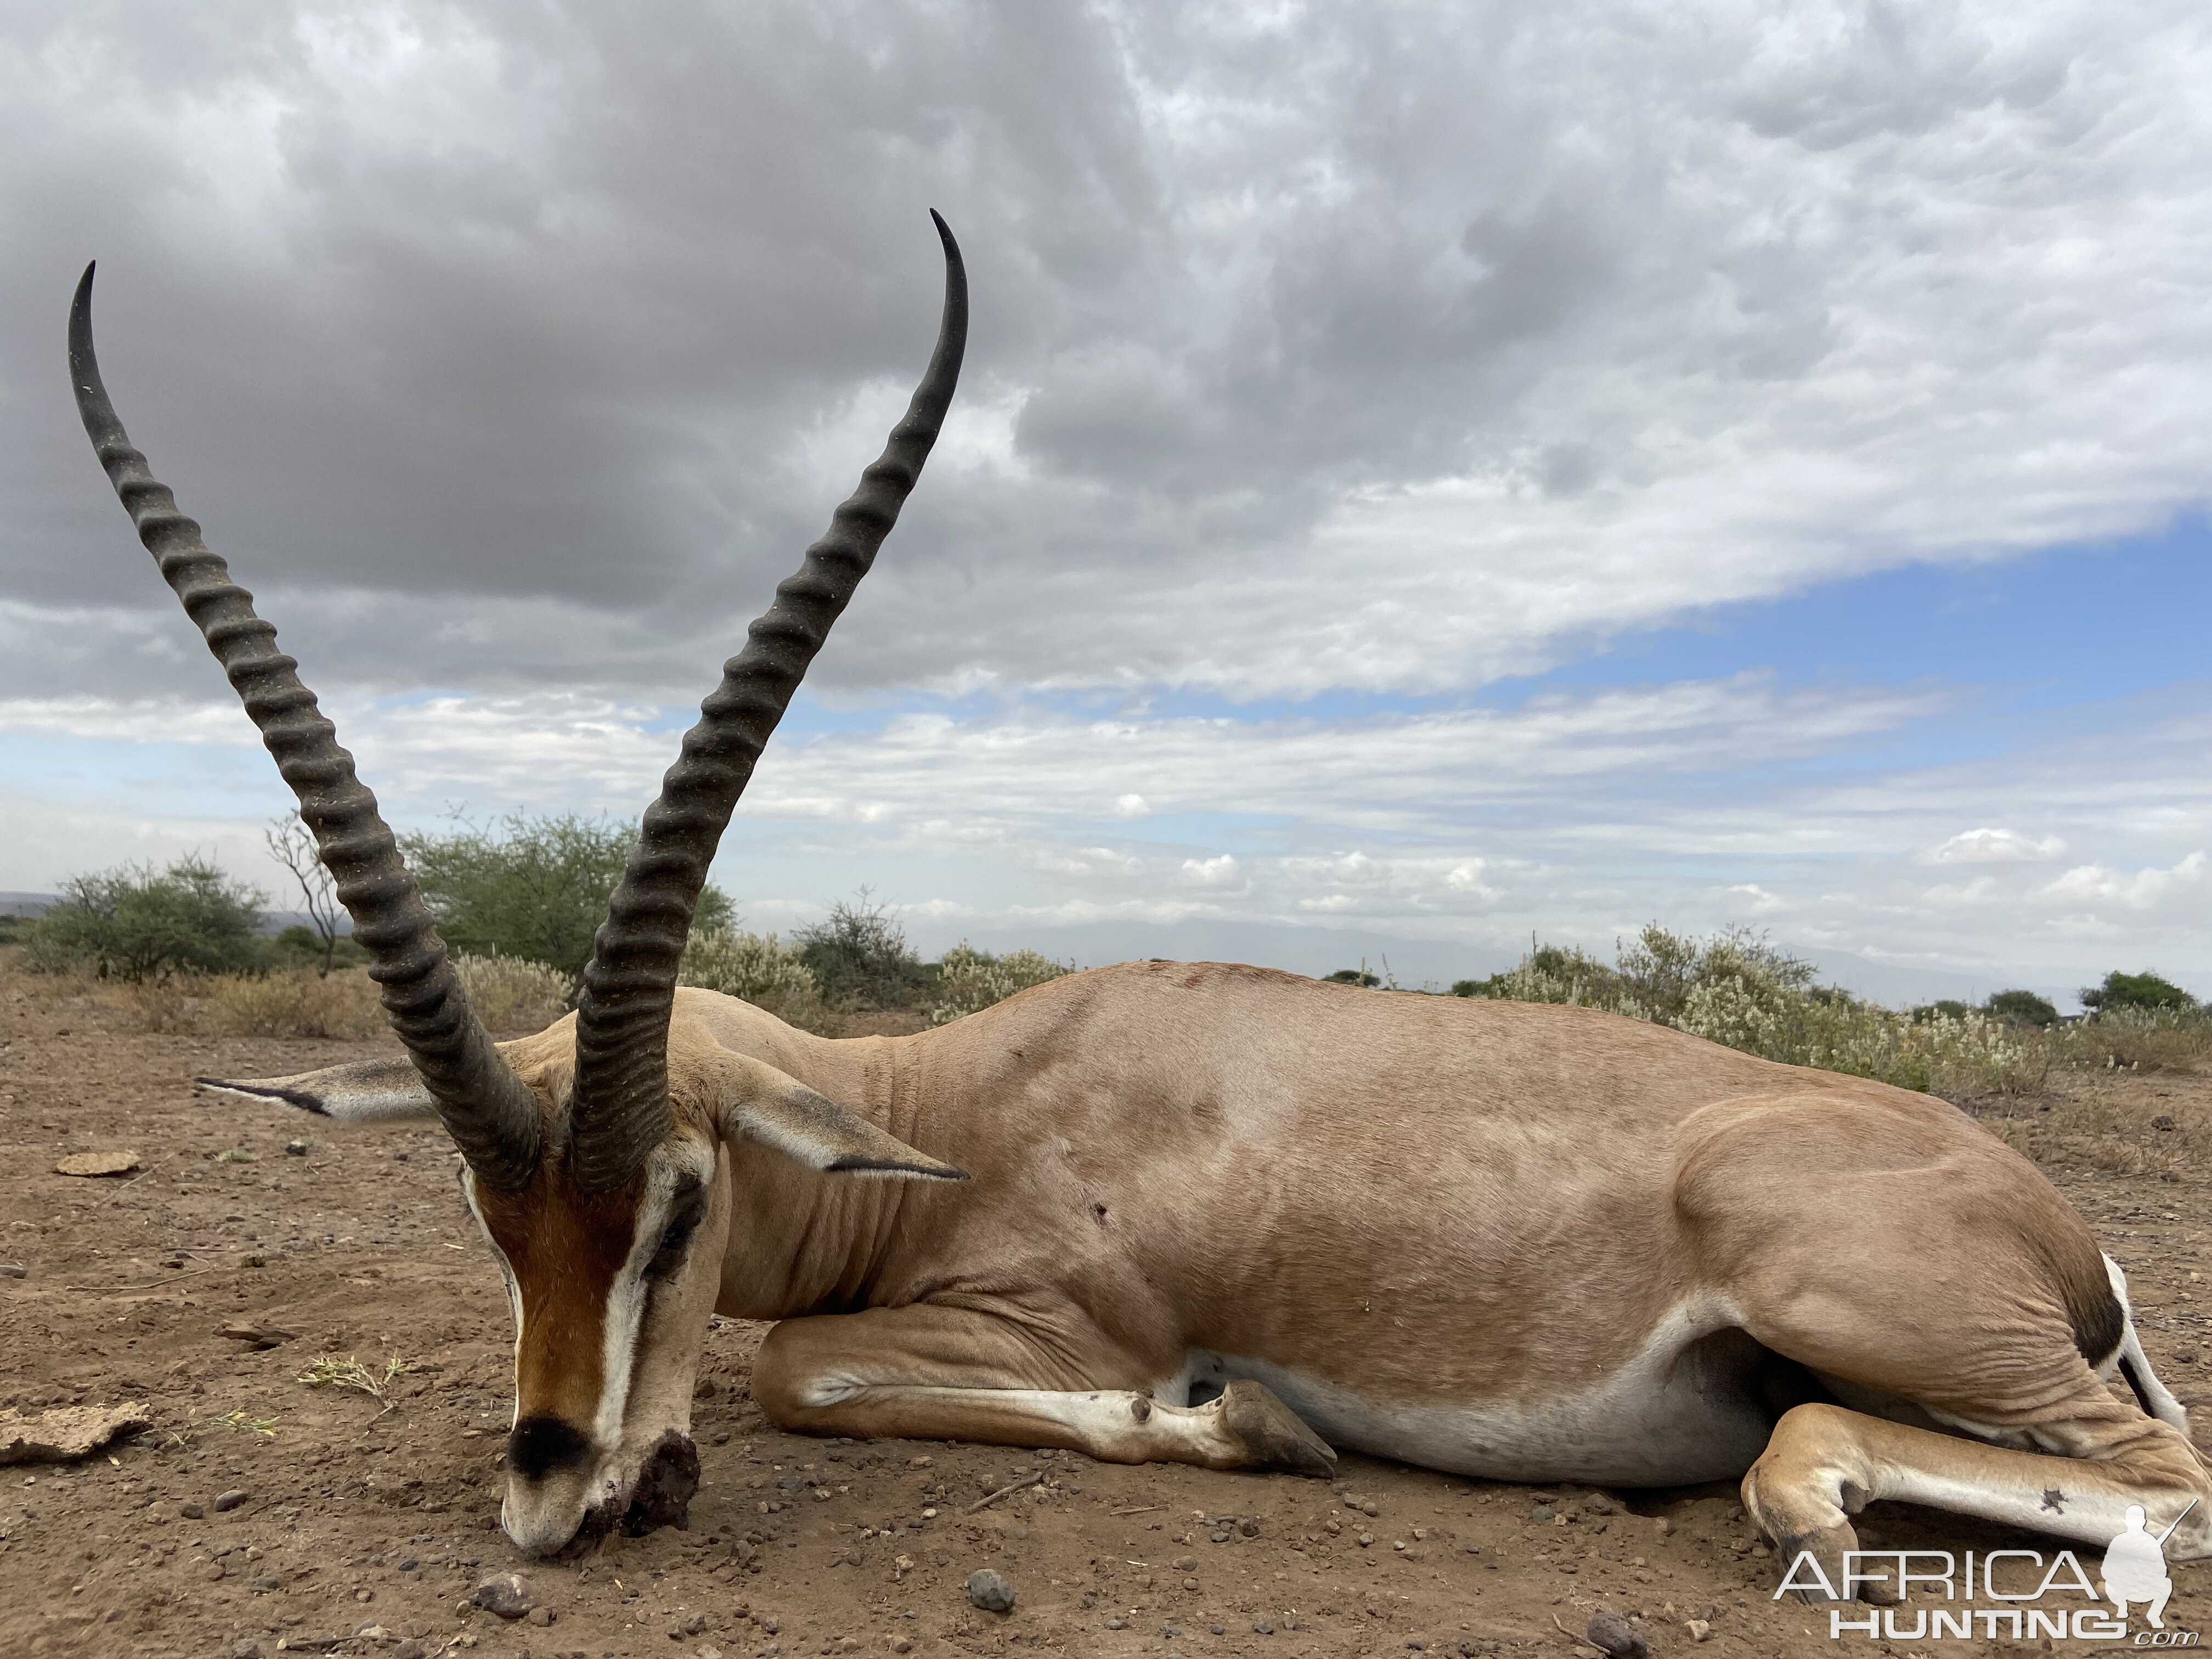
(748, 965)
(512, 993)
(1736, 989)
(969, 979)
(761, 969)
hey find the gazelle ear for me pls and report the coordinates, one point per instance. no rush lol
(758, 1102)
(361, 1091)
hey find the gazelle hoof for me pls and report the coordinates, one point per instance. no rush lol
(1272, 1433)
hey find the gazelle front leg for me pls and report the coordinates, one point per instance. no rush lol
(930, 1373)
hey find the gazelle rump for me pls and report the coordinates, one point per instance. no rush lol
(1207, 1214)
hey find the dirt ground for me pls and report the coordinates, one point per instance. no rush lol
(358, 1513)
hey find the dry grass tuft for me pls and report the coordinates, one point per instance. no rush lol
(2094, 1128)
(327, 1371)
(510, 994)
(2142, 1040)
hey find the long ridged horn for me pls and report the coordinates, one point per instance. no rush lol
(621, 1108)
(491, 1114)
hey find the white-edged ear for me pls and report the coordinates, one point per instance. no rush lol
(361, 1091)
(760, 1103)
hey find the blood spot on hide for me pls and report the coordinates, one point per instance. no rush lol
(1194, 982)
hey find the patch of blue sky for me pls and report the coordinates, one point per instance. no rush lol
(173, 779)
(2061, 627)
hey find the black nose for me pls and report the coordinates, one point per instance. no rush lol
(539, 1445)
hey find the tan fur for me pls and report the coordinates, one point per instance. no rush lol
(1509, 1229)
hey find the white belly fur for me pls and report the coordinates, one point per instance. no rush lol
(1666, 1418)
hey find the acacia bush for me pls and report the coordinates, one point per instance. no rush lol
(2022, 1008)
(858, 953)
(534, 888)
(2145, 991)
(136, 923)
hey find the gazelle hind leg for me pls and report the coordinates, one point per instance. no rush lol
(1824, 1463)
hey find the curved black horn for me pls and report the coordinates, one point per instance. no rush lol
(621, 1031)
(492, 1116)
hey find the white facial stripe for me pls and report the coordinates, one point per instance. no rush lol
(626, 1298)
(506, 1272)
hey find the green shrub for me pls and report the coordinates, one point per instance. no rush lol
(135, 923)
(2143, 990)
(1362, 977)
(534, 888)
(2022, 1008)
(1943, 1008)
(300, 946)
(859, 953)
(969, 980)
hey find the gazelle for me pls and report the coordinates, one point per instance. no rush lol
(1198, 1212)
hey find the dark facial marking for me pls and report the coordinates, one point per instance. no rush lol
(689, 1210)
(540, 1445)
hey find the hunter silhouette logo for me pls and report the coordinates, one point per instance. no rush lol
(2134, 1568)
(2017, 1581)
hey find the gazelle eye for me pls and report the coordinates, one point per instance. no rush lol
(677, 1234)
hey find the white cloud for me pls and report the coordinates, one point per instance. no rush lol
(1221, 874)
(1997, 846)
(2106, 888)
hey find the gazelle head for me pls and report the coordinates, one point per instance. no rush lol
(597, 1154)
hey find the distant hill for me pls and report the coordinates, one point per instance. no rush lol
(272, 922)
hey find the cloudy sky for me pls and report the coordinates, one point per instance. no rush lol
(1437, 470)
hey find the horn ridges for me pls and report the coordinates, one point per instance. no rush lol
(629, 987)
(492, 1116)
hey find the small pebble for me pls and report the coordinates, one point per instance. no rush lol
(295, 1149)
(13, 1269)
(540, 1615)
(504, 1594)
(192, 1511)
(229, 1501)
(988, 1589)
(1699, 1629)
(1263, 1628)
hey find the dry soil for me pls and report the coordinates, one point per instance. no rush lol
(379, 1515)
